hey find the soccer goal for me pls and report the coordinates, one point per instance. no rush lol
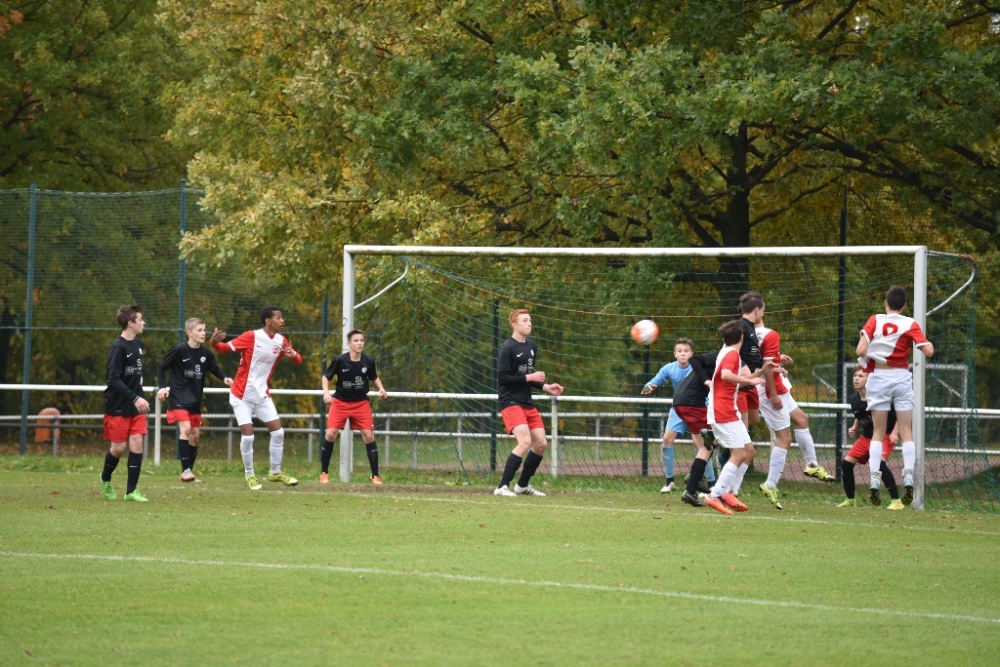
(435, 317)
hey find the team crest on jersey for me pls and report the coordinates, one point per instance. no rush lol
(364, 369)
(203, 360)
(532, 353)
(275, 350)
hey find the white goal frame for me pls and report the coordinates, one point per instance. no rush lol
(919, 305)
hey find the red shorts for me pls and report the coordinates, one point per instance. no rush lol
(696, 418)
(748, 400)
(117, 428)
(359, 412)
(174, 416)
(861, 447)
(515, 415)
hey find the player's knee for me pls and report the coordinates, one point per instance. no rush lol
(368, 436)
(332, 433)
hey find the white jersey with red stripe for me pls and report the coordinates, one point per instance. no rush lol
(722, 395)
(259, 356)
(770, 350)
(890, 339)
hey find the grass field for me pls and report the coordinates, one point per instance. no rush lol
(213, 574)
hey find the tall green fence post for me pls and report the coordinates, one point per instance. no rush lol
(29, 313)
(841, 343)
(182, 270)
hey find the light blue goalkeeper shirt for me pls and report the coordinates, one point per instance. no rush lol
(672, 372)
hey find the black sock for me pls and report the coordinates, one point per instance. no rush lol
(890, 481)
(372, 450)
(110, 463)
(531, 463)
(134, 468)
(325, 454)
(724, 457)
(194, 454)
(185, 455)
(847, 468)
(697, 472)
(510, 469)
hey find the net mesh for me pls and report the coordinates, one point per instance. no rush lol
(439, 331)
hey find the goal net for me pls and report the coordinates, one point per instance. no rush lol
(440, 314)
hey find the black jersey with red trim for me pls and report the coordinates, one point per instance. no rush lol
(352, 377)
(188, 367)
(124, 377)
(514, 361)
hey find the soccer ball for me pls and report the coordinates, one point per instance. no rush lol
(645, 332)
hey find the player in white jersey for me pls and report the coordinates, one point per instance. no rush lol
(781, 413)
(884, 351)
(250, 396)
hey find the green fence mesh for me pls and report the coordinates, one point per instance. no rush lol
(437, 331)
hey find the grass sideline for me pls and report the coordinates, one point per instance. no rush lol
(214, 574)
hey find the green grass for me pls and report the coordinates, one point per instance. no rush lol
(213, 574)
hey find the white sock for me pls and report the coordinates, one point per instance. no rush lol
(246, 451)
(875, 463)
(725, 479)
(909, 457)
(776, 466)
(738, 481)
(277, 450)
(808, 447)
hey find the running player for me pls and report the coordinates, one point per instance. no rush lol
(353, 369)
(675, 371)
(860, 451)
(125, 408)
(884, 347)
(260, 351)
(516, 375)
(188, 363)
(781, 412)
(724, 416)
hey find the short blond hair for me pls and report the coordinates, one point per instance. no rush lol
(192, 323)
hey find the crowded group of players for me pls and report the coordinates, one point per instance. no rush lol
(717, 397)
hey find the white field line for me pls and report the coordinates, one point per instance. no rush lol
(504, 581)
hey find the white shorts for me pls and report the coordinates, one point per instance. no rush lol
(245, 412)
(731, 435)
(777, 420)
(891, 388)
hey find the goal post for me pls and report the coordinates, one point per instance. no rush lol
(625, 283)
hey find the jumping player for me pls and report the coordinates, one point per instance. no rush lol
(675, 372)
(860, 451)
(724, 415)
(516, 375)
(125, 408)
(189, 364)
(690, 402)
(353, 369)
(781, 412)
(260, 351)
(884, 349)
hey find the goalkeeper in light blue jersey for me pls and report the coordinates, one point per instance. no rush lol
(675, 371)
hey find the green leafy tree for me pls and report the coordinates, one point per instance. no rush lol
(80, 82)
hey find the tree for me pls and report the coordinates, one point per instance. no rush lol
(80, 82)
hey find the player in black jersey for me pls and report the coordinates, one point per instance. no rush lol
(125, 408)
(353, 370)
(516, 375)
(189, 363)
(751, 313)
(690, 401)
(861, 451)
